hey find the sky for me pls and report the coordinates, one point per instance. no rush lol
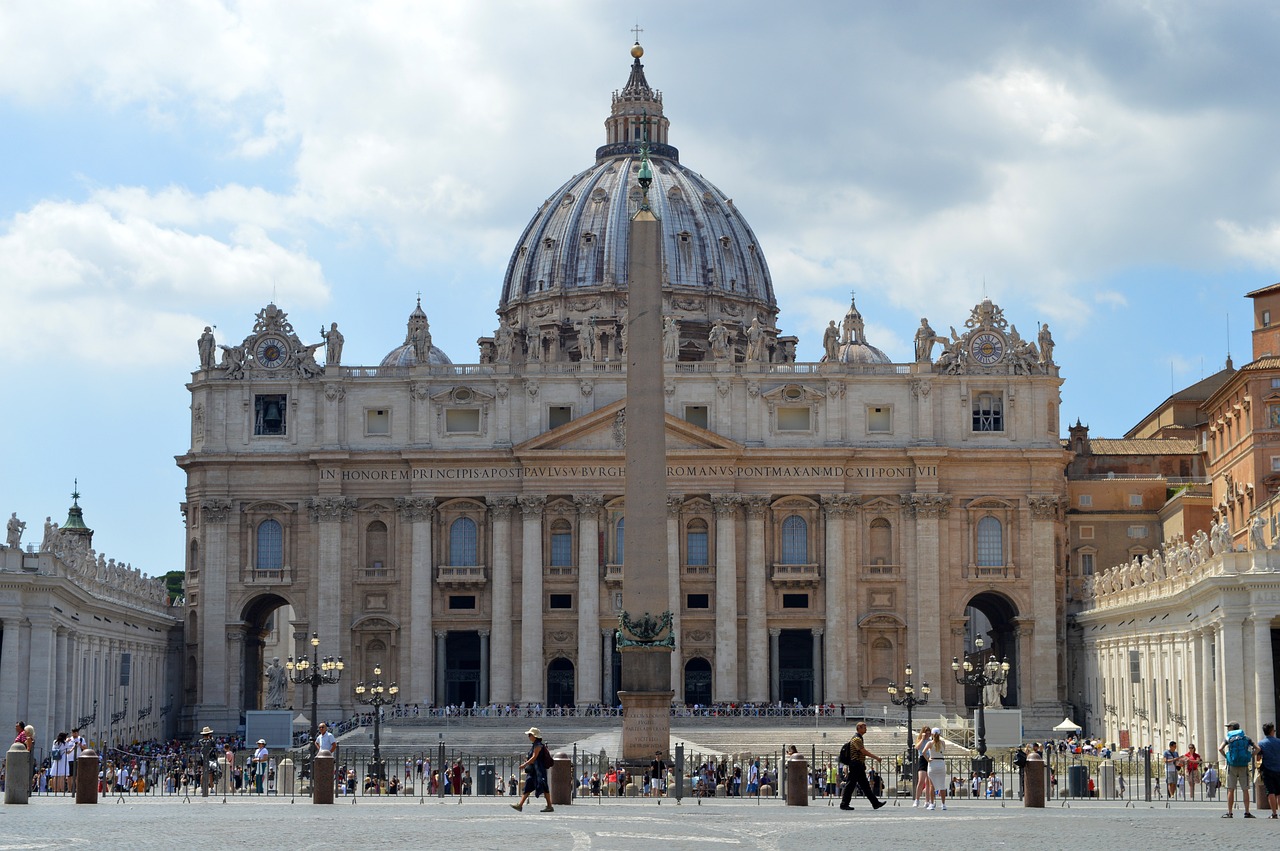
(1106, 167)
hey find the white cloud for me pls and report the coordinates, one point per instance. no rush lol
(1259, 244)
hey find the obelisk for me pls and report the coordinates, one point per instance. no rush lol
(644, 629)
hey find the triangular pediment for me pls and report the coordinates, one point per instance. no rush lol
(605, 431)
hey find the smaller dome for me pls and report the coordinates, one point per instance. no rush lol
(416, 339)
(862, 352)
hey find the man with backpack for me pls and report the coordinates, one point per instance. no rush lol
(1237, 749)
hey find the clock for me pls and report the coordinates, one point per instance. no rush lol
(271, 352)
(986, 348)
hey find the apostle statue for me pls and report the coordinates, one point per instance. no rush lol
(831, 342)
(719, 339)
(993, 693)
(206, 346)
(333, 345)
(275, 674)
(670, 339)
(13, 536)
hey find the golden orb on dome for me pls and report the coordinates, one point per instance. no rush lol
(637, 51)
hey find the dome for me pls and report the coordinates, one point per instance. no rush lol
(570, 263)
(418, 338)
(855, 348)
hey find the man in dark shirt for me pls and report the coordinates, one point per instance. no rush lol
(858, 771)
(657, 774)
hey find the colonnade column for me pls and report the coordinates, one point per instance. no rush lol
(329, 512)
(756, 568)
(1208, 689)
(531, 651)
(675, 592)
(725, 687)
(1043, 664)
(484, 667)
(775, 665)
(418, 511)
(9, 670)
(1264, 681)
(215, 708)
(928, 508)
(1231, 672)
(40, 673)
(839, 600)
(235, 672)
(500, 669)
(442, 688)
(61, 699)
(817, 666)
(588, 685)
(606, 636)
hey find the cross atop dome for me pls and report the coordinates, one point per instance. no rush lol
(636, 113)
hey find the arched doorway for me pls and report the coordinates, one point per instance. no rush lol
(795, 666)
(991, 617)
(266, 637)
(560, 682)
(697, 681)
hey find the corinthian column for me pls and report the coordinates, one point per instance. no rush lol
(329, 512)
(675, 591)
(531, 658)
(215, 705)
(756, 568)
(839, 603)
(1045, 517)
(928, 508)
(500, 671)
(588, 686)
(418, 511)
(725, 688)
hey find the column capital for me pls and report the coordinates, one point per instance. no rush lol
(215, 510)
(589, 503)
(926, 504)
(757, 505)
(532, 506)
(839, 504)
(442, 633)
(674, 505)
(1045, 507)
(817, 632)
(501, 506)
(483, 633)
(775, 632)
(725, 504)
(416, 508)
(330, 508)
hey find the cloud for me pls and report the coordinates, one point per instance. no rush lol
(1259, 244)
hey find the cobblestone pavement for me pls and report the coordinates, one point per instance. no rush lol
(617, 824)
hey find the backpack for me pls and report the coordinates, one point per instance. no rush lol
(545, 760)
(846, 754)
(55, 753)
(1238, 746)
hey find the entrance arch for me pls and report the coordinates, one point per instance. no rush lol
(560, 682)
(266, 625)
(991, 617)
(697, 681)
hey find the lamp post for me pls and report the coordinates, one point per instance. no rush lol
(314, 672)
(993, 673)
(377, 695)
(911, 701)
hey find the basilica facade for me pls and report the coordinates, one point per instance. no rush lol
(463, 523)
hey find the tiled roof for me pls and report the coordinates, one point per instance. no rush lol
(1147, 446)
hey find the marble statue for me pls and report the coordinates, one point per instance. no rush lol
(535, 346)
(670, 339)
(719, 339)
(586, 342)
(1045, 339)
(993, 693)
(925, 338)
(206, 346)
(831, 342)
(1257, 533)
(13, 536)
(503, 343)
(333, 341)
(233, 358)
(420, 339)
(275, 685)
(755, 341)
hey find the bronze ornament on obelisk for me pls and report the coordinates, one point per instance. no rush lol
(645, 638)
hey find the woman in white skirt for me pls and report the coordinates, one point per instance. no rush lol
(933, 750)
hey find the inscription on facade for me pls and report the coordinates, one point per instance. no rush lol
(617, 471)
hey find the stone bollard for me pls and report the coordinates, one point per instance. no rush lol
(1107, 779)
(284, 777)
(1034, 782)
(766, 790)
(17, 771)
(560, 779)
(797, 781)
(322, 778)
(226, 784)
(87, 777)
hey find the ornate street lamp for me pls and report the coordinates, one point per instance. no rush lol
(993, 673)
(86, 720)
(911, 701)
(377, 695)
(314, 672)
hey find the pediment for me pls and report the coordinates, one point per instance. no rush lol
(881, 503)
(792, 394)
(462, 396)
(882, 620)
(605, 431)
(990, 502)
(267, 506)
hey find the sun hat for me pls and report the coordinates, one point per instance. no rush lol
(533, 731)
(207, 731)
(262, 741)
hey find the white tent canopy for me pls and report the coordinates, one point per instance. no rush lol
(1067, 726)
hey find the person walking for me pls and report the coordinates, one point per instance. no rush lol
(1191, 761)
(855, 755)
(1238, 750)
(535, 769)
(1268, 750)
(1172, 760)
(921, 788)
(933, 752)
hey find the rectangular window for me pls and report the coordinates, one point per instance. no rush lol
(1086, 500)
(1137, 531)
(1266, 319)
(793, 419)
(561, 549)
(560, 601)
(126, 667)
(269, 414)
(558, 415)
(1086, 533)
(988, 412)
(696, 414)
(1135, 500)
(377, 421)
(697, 549)
(697, 601)
(795, 601)
(1275, 463)
(880, 419)
(462, 421)
(1086, 564)
(462, 601)
(1273, 416)
(1135, 667)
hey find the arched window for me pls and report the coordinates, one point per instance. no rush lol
(375, 546)
(561, 544)
(990, 543)
(881, 541)
(462, 542)
(619, 551)
(795, 540)
(882, 666)
(697, 550)
(270, 552)
(193, 566)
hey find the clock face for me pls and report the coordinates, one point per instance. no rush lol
(271, 352)
(987, 348)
